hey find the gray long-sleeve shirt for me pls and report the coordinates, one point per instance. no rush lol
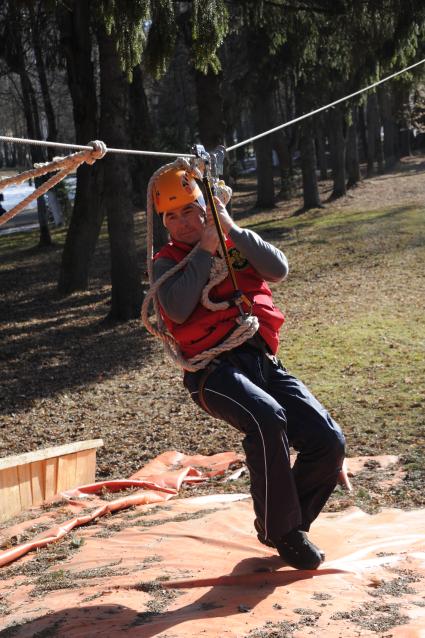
(180, 294)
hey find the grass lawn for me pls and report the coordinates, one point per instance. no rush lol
(354, 333)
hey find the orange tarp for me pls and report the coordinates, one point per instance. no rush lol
(193, 568)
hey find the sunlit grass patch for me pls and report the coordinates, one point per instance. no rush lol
(369, 372)
(334, 217)
(356, 325)
(18, 242)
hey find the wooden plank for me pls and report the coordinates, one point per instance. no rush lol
(37, 482)
(86, 467)
(25, 489)
(10, 502)
(47, 453)
(51, 478)
(67, 468)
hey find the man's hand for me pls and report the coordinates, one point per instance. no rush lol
(209, 240)
(226, 221)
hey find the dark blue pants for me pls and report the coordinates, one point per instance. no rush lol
(274, 411)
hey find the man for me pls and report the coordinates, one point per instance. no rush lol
(247, 386)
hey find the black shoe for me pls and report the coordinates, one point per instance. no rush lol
(261, 535)
(298, 551)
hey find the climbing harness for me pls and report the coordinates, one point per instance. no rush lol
(203, 167)
(63, 166)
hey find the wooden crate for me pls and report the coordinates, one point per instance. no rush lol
(31, 478)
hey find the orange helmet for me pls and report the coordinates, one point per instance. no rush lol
(175, 188)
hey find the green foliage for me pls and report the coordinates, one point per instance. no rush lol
(209, 28)
(161, 37)
(329, 48)
(151, 26)
(124, 20)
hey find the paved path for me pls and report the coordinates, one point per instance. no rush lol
(27, 219)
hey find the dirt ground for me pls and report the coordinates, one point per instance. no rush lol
(67, 375)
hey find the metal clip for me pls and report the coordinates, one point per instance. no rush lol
(240, 298)
(202, 158)
(200, 152)
(217, 161)
(212, 163)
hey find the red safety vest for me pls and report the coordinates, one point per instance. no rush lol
(204, 329)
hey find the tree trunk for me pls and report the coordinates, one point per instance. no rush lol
(51, 126)
(209, 98)
(210, 103)
(372, 126)
(43, 218)
(353, 166)
(403, 115)
(387, 118)
(41, 71)
(362, 133)
(262, 110)
(142, 137)
(321, 146)
(375, 149)
(74, 23)
(240, 136)
(125, 271)
(160, 233)
(308, 166)
(87, 215)
(337, 149)
(32, 121)
(280, 145)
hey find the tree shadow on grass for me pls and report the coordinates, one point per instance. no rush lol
(49, 343)
(407, 169)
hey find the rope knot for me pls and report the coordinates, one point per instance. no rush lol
(99, 150)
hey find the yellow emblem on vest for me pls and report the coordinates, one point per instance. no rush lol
(239, 262)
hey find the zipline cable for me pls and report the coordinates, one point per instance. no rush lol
(19, 140)
(81, 147)
(323, 108)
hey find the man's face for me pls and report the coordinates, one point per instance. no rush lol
(186, 223)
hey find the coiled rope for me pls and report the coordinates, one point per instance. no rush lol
(246, 327)
(63, 166)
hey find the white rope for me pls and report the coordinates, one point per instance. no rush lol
(80, 147)
(322, 108)
(20, 140)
